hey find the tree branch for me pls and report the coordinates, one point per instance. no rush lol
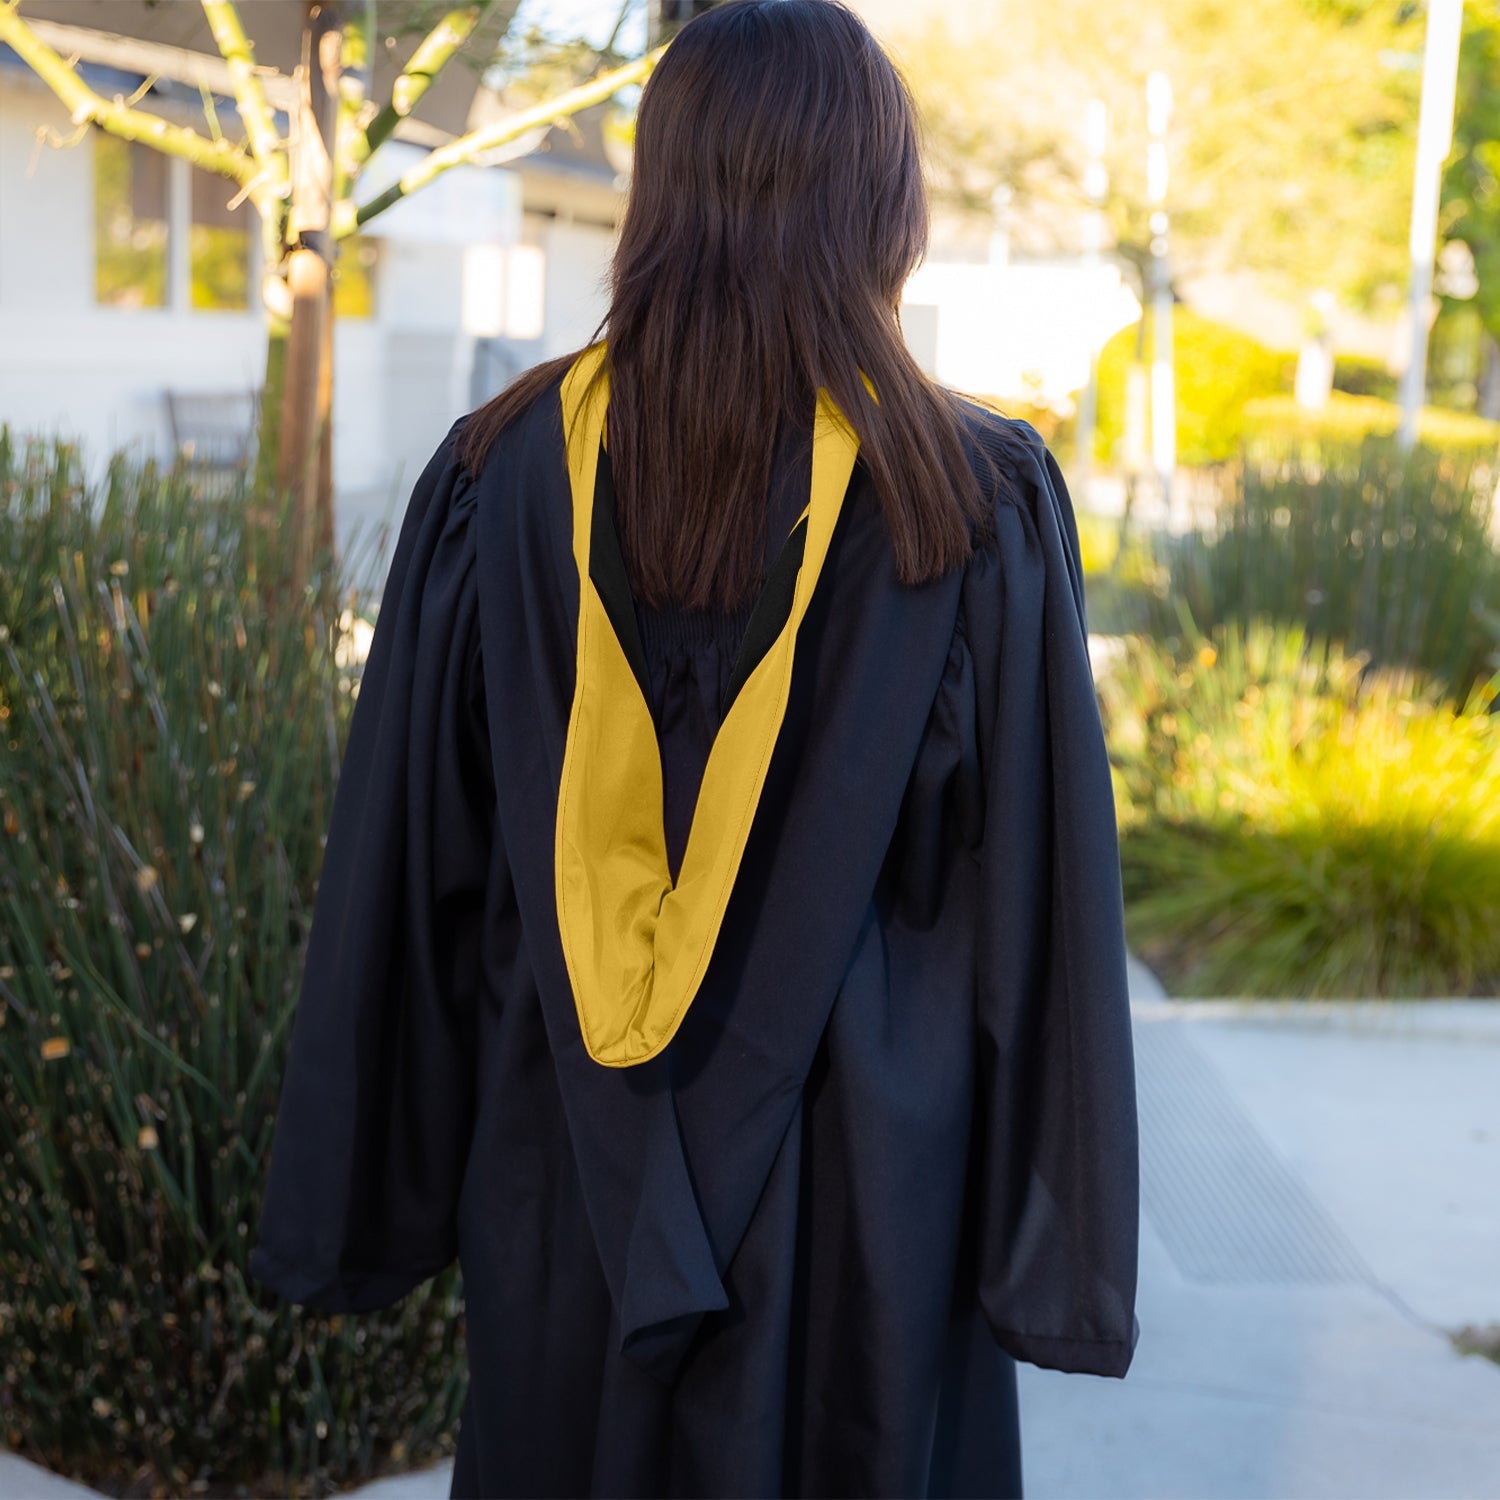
(356, 51)
(467, 147)
(615, 30)
(433, 54)
(250, 97)
(118, 118)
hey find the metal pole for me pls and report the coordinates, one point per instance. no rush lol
(1163, 393)
(179, 234)
(1000, 201)
(1095, 186)
(1434, 139)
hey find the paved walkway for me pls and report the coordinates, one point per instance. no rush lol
(1321, 1204)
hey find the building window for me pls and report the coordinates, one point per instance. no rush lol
(218, 245)
(164, 234)
(354, 277)
(130, 223)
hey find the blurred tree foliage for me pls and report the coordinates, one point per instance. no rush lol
(1359, 375)
(1471, 184)
(1291, 142)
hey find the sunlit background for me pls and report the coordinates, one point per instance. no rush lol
(1239, 265)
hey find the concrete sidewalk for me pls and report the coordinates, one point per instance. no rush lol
(1320, 1207)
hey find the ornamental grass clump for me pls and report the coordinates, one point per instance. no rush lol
(170, 731)
(1295, 824)
(1392, 553)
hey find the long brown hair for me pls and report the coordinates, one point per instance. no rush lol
(776, 209)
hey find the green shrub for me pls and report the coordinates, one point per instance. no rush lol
(1217, 370)
(1387, 552)
(1295, 824)
(1347, 419)
(1455, 357)
(168, 751)
(1358, 375)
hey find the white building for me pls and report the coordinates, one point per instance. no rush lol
(124, 276)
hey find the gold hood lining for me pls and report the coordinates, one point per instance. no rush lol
(637, 944)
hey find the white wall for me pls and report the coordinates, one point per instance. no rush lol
(46, 206)
(1016, 331)
(576, 296)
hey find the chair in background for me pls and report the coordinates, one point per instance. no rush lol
(213, 437)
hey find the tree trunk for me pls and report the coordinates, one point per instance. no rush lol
(302, 467)
(297, 469)
(323, 541)
(1134, 441)
(268, 435)
(265, 531)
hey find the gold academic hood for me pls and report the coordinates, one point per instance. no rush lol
(637, 944)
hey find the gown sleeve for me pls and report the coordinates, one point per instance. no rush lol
(378, 1094)
(1058, 1188)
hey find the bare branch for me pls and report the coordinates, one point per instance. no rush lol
(433, 54)
(85, 107)
(615, 30)
(356, 50)
(260, 125)
(468, 147)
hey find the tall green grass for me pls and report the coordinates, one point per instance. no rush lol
(1294, 824)
(1348, 417)
(169, 744)
(1390, 553)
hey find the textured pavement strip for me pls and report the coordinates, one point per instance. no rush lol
(1320, 1192)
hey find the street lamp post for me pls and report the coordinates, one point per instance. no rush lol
(1000, 202)
(1095, 187)
(1434, 139)
(1163, 394)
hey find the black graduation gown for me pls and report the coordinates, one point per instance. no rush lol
(892, 1147)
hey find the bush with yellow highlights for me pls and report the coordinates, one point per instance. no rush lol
(1294, 824)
